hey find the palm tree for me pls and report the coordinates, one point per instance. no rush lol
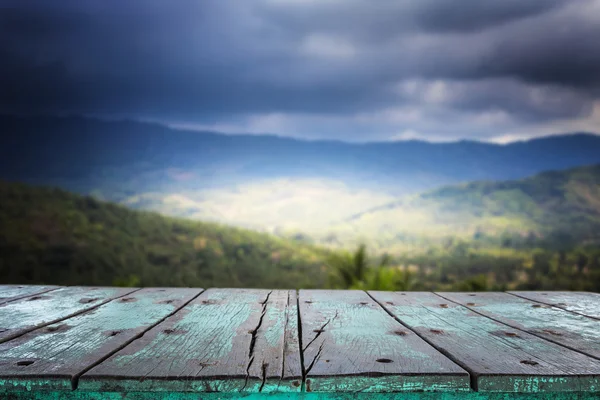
(353, 270)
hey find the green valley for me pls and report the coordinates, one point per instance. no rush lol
(51, 236)
(561, 205)
(535, 233)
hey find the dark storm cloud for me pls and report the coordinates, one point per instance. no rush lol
(471, 15)
(209, 61)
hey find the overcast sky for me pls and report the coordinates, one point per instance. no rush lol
(355, 70)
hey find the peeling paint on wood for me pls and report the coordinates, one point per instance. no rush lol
(554, 324)
(24, 315)
(52, 357)
(499, 358)
(16, 292)
(350, 344)
(226, 340)
(77, 343)
(78, 395)
(584, 303)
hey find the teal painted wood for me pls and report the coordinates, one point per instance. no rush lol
(21, 316)
(226, 340)
(584, 303)
(350, 344)
(292, 362)
(554, 324)
(82, 395)
(54, 356)
(15, 292)
(499, 358)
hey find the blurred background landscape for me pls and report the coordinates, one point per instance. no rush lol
(99, 202)
(408, 145)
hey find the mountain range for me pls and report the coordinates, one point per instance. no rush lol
(333, 192)
(84, 153)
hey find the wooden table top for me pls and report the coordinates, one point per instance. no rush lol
(180, 343)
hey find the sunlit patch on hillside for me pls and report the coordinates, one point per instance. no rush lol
(278, 205)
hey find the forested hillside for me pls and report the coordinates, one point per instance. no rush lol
(51, 236)
(558, 207)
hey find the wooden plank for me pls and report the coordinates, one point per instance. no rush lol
(84, 395)
(277, 343)
(226, 340)
(350, 344)
(53, 357)
(500, 359)
(584, 303)
(559, 326)
(24, 315)
(16, 292)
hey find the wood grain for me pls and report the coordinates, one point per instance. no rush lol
(584, 303)
(52, 357)
(24, 315)
(554, 324)
(226, 340)
(15, 292)
(350, 344)
(500, 359)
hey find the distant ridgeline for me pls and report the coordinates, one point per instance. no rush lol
(124, 158)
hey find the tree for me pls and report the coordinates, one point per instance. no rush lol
(353, 271)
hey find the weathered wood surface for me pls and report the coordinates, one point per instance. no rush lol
(350, 344)
(53, 356)
(26, 314)
(15, 292)
(97, 343)
(571, 330)
(225, 340)
(498, 358)
(584, 303)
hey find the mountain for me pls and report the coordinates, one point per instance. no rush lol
(51, 236)
(565, 203)
(268, 183)
(125, 158)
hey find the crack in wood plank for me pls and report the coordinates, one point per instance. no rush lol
(320, 331)
(315, 359)
(302, 365)
(264, 376)
(253, 343)
(285, 328)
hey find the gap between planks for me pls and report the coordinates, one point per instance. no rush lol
(551, 304)
(75, 379)
(253, 343)
(44, 324)
(472, 377)
(30, 295)
(301, 346)
(531, 332)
